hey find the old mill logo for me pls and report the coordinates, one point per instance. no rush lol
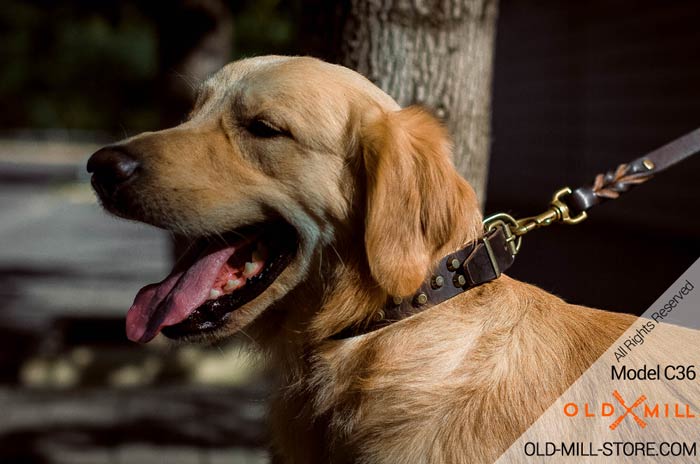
(638, 411)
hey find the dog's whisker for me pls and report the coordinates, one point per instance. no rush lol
(221, 351)
(340, 258)
(320, 264)
(238, 234)
(221, 238)
(184, 253)
(252, 340)
(124, 131)
(190, 81)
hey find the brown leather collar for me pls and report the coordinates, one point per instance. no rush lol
(484, 260)
(475, 264)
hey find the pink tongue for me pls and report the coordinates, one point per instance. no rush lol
(175, 298)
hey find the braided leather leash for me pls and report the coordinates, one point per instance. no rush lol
(484, 260)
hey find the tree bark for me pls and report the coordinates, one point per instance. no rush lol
(435, 53)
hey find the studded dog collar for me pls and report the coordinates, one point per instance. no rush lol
(477, 263)
(484, 260)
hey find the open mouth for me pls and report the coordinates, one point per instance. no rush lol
(218, 276)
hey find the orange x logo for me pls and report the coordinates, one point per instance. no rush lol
(628, 410)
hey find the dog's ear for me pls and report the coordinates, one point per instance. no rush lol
(418, 206)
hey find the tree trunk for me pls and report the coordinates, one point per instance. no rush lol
(435, 53)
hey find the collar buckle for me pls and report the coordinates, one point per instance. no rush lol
(492, 256)
(508, 224)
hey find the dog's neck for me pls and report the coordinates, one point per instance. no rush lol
(352, 296)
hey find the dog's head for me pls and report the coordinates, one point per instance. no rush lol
(285, 165)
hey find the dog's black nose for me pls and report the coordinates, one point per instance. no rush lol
(110, 167)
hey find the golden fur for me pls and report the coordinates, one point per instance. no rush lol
(372, 192)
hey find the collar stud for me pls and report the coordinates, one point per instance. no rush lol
(453, 264)
(437, 282)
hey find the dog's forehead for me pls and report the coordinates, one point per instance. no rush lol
(302, 80)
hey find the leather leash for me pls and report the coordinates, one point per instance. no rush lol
(484, 260)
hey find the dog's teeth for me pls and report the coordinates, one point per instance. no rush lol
(232, 284)
(214, 293)
(249, 269)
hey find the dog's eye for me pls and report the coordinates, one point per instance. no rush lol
(263, 129)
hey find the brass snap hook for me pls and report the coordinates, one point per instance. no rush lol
(508, 223)
(514, 229)
(563, 208)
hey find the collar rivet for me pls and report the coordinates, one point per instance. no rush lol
(397, 300)
(459, 280)
(437, 281)
(453, 264)
(421, 299)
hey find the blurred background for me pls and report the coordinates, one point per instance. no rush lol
(577, 89)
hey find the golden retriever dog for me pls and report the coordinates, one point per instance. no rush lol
(311, 198)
